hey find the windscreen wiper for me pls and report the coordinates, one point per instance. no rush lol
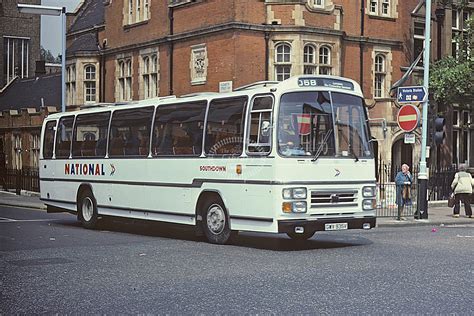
(320, 148)
(351, 150)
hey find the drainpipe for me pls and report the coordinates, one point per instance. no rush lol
(439, 21)
(170, 66)
(267, 54)
(361, 44)
(102, 70)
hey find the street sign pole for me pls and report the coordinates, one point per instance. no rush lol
(422, 205)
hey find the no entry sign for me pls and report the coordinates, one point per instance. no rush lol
(408, 117)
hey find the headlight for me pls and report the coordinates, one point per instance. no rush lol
(299, 207)
(368, 204)
(368, 191)
(287, 194)
(294, 207)
(294, 193)
(299, 193)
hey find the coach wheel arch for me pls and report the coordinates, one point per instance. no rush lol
(203, 198)
(83, 187)
(87, 207)
(213, 218)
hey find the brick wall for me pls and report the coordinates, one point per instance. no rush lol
(12, 23)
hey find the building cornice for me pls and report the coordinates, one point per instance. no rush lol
(263, 28)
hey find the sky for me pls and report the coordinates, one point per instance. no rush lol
(51, 25)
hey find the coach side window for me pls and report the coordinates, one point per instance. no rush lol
(48, 142)
(260, 127)
(225, 127)
(130, 132)
(64, 136)
(178, 129)
(90, 135)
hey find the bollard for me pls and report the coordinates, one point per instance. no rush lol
(18, 182)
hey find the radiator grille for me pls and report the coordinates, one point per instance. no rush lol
(333, 198)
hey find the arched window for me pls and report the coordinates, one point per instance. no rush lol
(124, 79)
(90, 83)
(282, 61)
(309, 60)
(325, 60)
(70, 84)
(380, 73)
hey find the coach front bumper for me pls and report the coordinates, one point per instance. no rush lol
(287, 226)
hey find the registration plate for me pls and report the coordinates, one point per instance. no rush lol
(335, 226)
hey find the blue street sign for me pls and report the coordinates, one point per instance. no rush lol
(411, 94)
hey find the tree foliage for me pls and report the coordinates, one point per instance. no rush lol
(48, 57)
(452, 78)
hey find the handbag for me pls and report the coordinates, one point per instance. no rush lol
(451, 200)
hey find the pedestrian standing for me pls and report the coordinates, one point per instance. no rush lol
(462, 187)
(403, 182)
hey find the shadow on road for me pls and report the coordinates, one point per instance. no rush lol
(280, 242)
(264, 241)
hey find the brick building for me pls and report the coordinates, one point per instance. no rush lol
(20, 36)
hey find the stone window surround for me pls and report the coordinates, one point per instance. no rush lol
(71, 75)
(136, 11)
(123, 58)
(297, 43)
(317, 63)
(393, 9)
(90, 80)
(149, 52)
(327, 6)
(277, 64)
(387, 53)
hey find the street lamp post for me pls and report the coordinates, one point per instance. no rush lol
(55, 11)
(423, 175)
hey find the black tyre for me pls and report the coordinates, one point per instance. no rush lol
(87, 210)
(215, 222)
(304, 236)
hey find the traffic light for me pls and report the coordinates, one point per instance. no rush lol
(440, 130)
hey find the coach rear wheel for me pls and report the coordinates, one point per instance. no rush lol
(215, 222)
(87, 210)
(303, 236)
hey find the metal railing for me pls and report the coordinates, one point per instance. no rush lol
(439, 188)
(23, 179)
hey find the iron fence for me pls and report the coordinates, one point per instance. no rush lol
(439, 188)
(23, 179)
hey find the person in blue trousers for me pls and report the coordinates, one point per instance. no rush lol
(403, 181)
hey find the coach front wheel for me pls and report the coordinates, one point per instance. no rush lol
(215, 222)
(87, 210)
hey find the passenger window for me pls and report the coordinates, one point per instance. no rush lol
(90, 135)
(130, 132)
(48, 140)
(260, 127)
(225, 127)
(178, 129)
(64, 136)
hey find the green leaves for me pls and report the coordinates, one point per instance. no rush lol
(452, 78)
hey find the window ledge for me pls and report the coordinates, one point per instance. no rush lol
(383, 99)
(326, 10)
(381, 17)
(198, 82)
(136, 24)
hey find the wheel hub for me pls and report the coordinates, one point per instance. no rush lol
(215, 219)
(87, 209)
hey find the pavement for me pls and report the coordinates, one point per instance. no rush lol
(439, 214)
